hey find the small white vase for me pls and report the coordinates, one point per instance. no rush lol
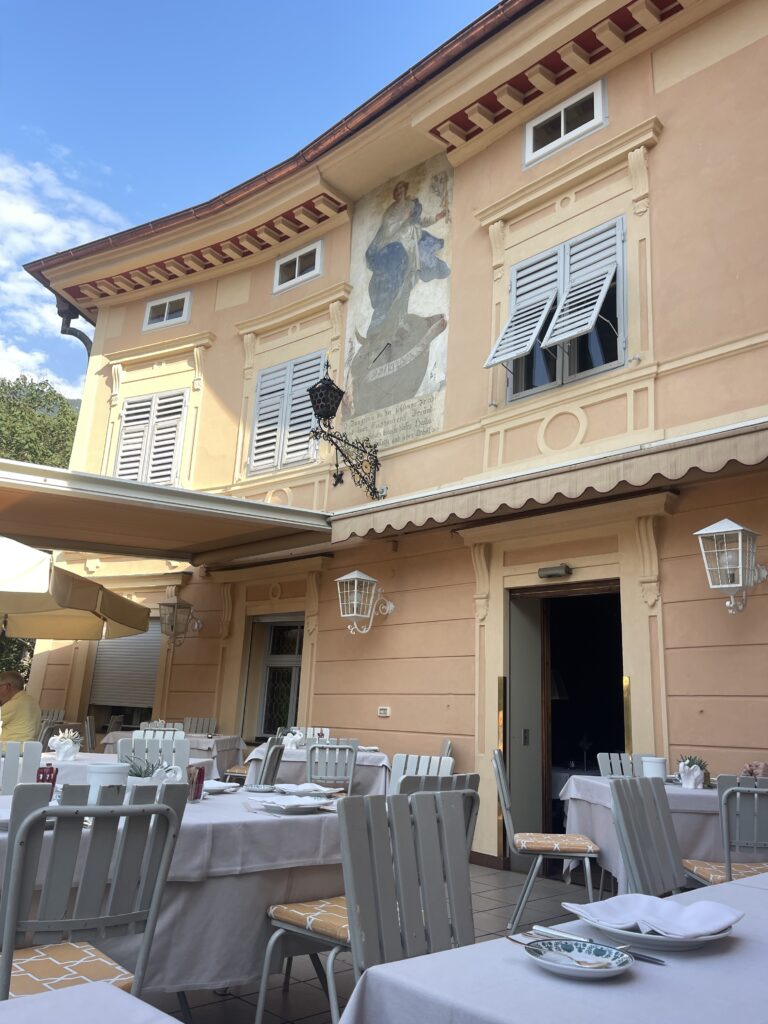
(691, 776)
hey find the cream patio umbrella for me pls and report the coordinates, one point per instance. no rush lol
(41, 601)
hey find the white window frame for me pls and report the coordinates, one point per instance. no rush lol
(183, 319)
(280, 462)
(146, 454)
(531, 156)
(564, 374)
(316, 272)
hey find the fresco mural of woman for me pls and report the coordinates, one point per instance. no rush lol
(393, 357)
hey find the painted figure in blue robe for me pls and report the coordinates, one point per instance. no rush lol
(401, 254)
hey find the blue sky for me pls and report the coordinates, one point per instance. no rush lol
(113, 114)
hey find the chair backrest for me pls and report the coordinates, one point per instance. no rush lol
(446, 748)
(89, 729)
(406, 875)
(468, 782)
(19, 764)
(200, 725)
(49, 719)
(615, 765)
(647, 838)
(270, 765)
(283, 730)
(332, 764)
(417, 764)
(158, 734)
(743, 817)
(502, 788)
(171, 749)
(105, 880)
(115, 723)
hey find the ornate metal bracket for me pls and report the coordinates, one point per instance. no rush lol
(359, 455)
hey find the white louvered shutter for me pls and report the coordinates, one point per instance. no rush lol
(125, 671)
(134, 434)
(299, 418)
(532, 293)
(165, 446)
(591, 262)
(268, 426)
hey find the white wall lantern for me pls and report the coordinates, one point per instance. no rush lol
(360, 597)
(177, 618)
(730, 559)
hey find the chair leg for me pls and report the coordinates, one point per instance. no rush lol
(186, 1012)
(321, 976)
(287, 975)
(602, 881)
(265, 974)
(588, 879)
(525, 894)
(330, 973)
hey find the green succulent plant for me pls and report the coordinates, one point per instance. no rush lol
(692, 759)
(143, 767)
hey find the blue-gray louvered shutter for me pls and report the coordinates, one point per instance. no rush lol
(533, 290)
(305, 372)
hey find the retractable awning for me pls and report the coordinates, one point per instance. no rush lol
(71, 511)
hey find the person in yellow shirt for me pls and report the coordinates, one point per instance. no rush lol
(19, 711)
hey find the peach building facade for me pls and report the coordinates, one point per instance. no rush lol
(572, 198)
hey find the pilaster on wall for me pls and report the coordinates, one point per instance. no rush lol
(616, 540)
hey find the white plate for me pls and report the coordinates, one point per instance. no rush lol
(652, 940)
(213, 786)
(252, 787)
(588, 961)
(298, 809)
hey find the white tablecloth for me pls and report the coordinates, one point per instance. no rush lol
(230, 864)
(695, 814)
(225, 750)
(75, 773)
(97, 1003)
(497, 982)
(371, 769)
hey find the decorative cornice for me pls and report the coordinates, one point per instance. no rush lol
(161, 350)
(598, 161)
(305, 306)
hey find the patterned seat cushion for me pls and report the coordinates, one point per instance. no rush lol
(61, 965)
(324, 917)
(552, 842)
(714, 874)
(237, 769)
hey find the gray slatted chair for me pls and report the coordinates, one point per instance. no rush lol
(260, 771)
(19, 764)
(622, 766)
(446, 748)
(539, 845)
(200, 725)
(417, 764)
(332, 764)
(647, 839)
(171, 749)
(98, 882)
(50, 722)
(744, 823)
(469, 782)
(115, 723)
(406, 876)
(89, 733)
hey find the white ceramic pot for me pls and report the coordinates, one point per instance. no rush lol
(105, 775)
(655, 767)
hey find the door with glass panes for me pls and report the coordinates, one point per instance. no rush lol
(282, 670)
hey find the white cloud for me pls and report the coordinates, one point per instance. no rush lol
(41, 214)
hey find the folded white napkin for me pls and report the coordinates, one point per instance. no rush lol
(305, 788)
(260, 803)
(663, 916)
(369, 750)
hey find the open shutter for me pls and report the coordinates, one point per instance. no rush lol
(591, 262)
(304, 373)
(134, 434)
(532, 294)
(268, 427)
(165, 448)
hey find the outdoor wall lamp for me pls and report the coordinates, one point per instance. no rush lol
(177, 618)
(360, 597)
(361, 456)
(730, 559)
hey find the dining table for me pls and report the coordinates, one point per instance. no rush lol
(371, 769)
(695, 814)
(224, 750)
(75, 772)
(232, 861)
(91, 1003)
(497, 982)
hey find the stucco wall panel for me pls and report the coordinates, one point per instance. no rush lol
(442, 676)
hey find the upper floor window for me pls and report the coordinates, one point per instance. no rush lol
(565, 123)
(566, 312)
(283, 417)
(174, 309)
(299, 266)
(149, 449)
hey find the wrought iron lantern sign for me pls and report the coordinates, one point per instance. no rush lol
(730, 560)
(359, 455)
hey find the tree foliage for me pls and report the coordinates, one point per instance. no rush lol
(37, 424)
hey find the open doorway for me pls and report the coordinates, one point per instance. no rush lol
(274, 671)
(565, 699)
